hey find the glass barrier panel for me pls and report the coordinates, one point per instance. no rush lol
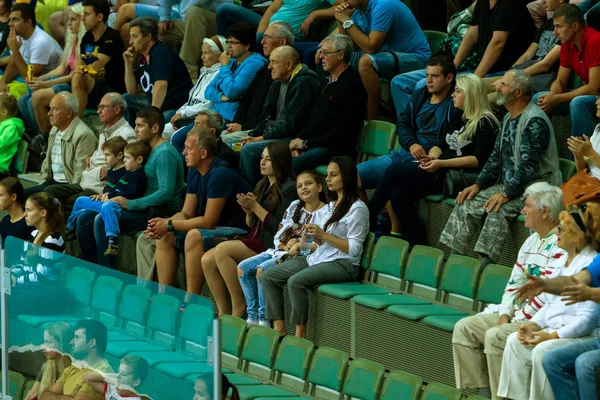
(78, 328)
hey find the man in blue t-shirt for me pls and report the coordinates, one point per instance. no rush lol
(152, 66)
(210, 209)
(390, 42)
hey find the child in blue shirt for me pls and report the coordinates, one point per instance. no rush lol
(125, 178)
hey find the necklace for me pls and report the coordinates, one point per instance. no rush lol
(313, 210)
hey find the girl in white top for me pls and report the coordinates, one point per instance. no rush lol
(587, 150)
(556, 324)
(336, 258)
(289, 240)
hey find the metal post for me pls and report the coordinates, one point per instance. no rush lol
(5, 285)
(217, 358)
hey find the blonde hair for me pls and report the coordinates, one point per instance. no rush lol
(476, 105)
(63, 333)
(72, 40)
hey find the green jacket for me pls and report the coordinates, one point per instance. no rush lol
(11, 131)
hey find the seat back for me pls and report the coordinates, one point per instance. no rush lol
(376, 139)
(260, 346)
(233, 332)
(389, 256)
(424, 268)
(79, 282)
(492, 284)
(434, 38)
(365, 260)
(195, 328)
(133, 309)
(437, 391)
(105, 300)
(293, 356)
(163, 319)
(328, 368)
(401, 385)
(460, 275)
(16, 384)
(19, 161)
(567, 168)
(363, 379)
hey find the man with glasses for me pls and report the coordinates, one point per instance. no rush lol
(110, 110)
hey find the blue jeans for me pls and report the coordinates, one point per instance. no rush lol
(146, 10)
(207, 236)
(370, 172)
(252, 287)
(110, 212)
(229, 14)
(250, 158)
(26, 109)
(571, 370)
(582, 110)
(178, 139)
(91, 234)
(311, 159)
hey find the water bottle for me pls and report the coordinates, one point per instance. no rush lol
(307, 245)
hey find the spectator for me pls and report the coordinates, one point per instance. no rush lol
(337, 114)
(579, 53)
(164, 176)
(197, 101)
(289, 240)
(478, 341)
(44, 87)
(70, 144)
(556, 324)
(133, 371)
(45, 213)
(57, 345)
(11, 131)
(250, 107)
(204, 388)
(467, 145)
(89, 345)
(211, 120)
(125, 178)
(499, 34)
(389, 39)
(209, 210)
(165, 83)
(12, 201)
(286, 110)
(336, 259)
(93, 178)
(5, 6)
(264, 210)
(524, 153)
(239, 67)
(101, 65)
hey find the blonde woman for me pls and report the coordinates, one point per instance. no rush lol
(57, 338)
(468, 146)
(59, 79)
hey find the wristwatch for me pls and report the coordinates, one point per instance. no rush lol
(504, 195)
(347, 24)
(170, 227)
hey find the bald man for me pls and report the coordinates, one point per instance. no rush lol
(294, 89)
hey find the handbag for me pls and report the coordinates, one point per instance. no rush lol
(580, 189)
(237, 236)
(456, 180)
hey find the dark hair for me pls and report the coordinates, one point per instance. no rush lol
(152, 116)
(281, 160)
(9, 102)
(225, 386)
(445, 63)
(243, 32)
(100, 7)
(115, 145)
(571, 13)
(147, 25)
(138, 149)
(349, 173)
(289, 233)
(55, 219)
(138, 364)
(94, 330)
(14, 186)
(26, 10)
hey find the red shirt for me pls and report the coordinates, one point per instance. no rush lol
(583, 59)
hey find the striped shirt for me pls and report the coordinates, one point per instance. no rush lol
(58, 170)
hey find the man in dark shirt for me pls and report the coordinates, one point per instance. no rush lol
(4, 30)
(100, 68)
(154, 67)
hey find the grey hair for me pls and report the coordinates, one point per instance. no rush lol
(70, 101)
(522, 81)
(341, 43)
(117, 99)
(147, 25)
(544, 195)
(205, 139)
(284, 31)
(214, 120)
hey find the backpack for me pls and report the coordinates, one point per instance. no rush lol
(38, 148)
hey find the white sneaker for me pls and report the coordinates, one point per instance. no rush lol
(265, 323)
(251, 322)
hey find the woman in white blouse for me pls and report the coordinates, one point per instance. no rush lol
(556, 323)
(336, 258)
(586, 151)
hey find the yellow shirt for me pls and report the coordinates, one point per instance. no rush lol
(73, 384)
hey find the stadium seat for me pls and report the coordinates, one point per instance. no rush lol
(434, 38)
(436, 198)
(376, 139)
(242, 380)
(423, 269)
(368, 245)
(437, 391)
(260, 347)
(19, 161)
(105, 300)
(16, 384)
(293, 359)
(475, 397)
(388, 258)
(28, 386)
(363, 379)
(327, 369)
(321, 170)
(492, 284)
(253, 392)
(401, 385)
(132, 315)
(567, 169)
(379, 302)
(233, 333)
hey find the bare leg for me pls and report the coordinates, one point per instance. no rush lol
(394, 221)
(81, 86)
(41, 106)
(194, 251)
(370, 80)
(167, 260)
(279, 326)
(215, 282)
(301, 331)
(228, 255)
(125, 15)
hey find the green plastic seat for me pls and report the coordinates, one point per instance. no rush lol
(16, 384)
(327, 369)
(133, 309)
(436, 198)
(492, 284)
(321, 170)
(450, 201)
(90, 112)
(437, 391)
(351, 289)
(105, 300)
(260, 346)
(444, 322)
(363, 379)
(567, 168)
(253, 392)
(194, 377)
(368, 245)
(401, 385)
(434, 38)
(521, 218)
(242, 380)
(460, 276)
(419, 312)
(424, 266)
(19, 161)
(233, 332)
(376, 139)
(293, 357)
(28, 386)
(380, 302)
(182, 370)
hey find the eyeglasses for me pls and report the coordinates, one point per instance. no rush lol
(269, 37)
(576, 211)
(232, 42)
(326, 53)
(102, 107)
